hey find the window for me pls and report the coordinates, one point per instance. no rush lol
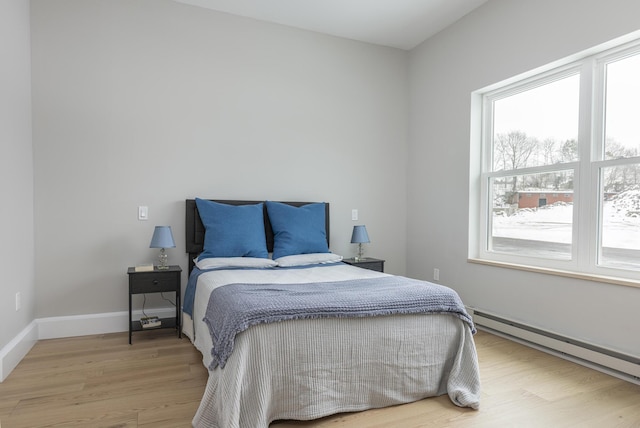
(619, 173)
(560, 168)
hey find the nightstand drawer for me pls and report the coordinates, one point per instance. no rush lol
(374, 265)
(152, 282)
(367, 263)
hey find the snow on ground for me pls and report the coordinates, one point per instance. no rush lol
(552, 223)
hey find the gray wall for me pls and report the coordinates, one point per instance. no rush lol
(149, 102)
(16, 171)
(499, 40)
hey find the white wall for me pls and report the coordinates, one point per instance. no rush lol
(501, 39)
(150, 102)
(16, 172)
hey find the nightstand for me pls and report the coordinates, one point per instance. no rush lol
(155, 281)
(367, 263)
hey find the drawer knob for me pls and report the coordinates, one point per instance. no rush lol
(155, 282)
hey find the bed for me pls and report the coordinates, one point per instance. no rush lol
(307, 367)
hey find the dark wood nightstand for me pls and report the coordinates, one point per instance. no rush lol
(155, 281)
(367, 263)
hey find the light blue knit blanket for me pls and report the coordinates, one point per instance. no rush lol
(233, 308)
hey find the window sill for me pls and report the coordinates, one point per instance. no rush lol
(558, 272)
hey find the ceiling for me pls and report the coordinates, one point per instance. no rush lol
(396, 23)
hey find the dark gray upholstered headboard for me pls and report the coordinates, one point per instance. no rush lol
(195, 228)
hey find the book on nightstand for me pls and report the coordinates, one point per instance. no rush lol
(150, 322)
(146, 267)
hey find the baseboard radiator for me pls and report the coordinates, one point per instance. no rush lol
(623, 366)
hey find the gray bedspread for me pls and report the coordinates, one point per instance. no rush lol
(233, 308)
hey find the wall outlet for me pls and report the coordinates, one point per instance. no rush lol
(354, 214)
(436, 274)
(18, 301)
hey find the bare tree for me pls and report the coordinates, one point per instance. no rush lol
(550, 151)
(569, 151)
(512, 151)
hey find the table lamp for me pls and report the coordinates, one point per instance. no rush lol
(162, 238)
(359, 236)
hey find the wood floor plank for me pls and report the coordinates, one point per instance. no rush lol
(102, 381)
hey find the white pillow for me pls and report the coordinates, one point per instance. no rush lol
(308, 259)
(248, 262)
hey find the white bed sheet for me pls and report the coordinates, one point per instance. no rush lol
(307, 369)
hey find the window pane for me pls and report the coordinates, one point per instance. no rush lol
(620, 240)
(537, 127)
(622, 108)
(532, 215)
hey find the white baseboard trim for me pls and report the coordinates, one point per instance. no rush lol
(67, 326)
(611, 362)
(16, 349)
(82, 325)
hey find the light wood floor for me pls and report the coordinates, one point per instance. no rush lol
(101, 381)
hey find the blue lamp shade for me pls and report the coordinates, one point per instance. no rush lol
(162, 238)
(359, 235)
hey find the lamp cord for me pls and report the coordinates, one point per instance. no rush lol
(168, 300)
(144, 301)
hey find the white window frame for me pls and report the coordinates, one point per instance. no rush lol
(587, 227)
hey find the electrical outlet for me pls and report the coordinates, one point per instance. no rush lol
(354, 214)
(436, 274)
(18, 301)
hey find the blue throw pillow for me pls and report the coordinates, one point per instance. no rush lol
(232, 230)
(297, 230)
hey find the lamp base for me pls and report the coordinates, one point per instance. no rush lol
(359, 257)
(162, 260)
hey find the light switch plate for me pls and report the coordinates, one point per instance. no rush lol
(143, 213)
